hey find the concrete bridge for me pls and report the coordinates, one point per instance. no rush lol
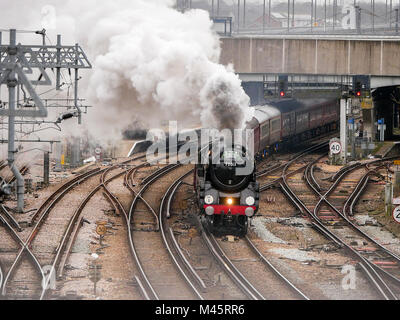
(314, 55)
(320, 61)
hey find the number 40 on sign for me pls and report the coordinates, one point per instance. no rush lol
(335, 147)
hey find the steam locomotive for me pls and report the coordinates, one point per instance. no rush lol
(228, 200)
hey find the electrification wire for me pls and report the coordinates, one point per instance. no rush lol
(19, 31)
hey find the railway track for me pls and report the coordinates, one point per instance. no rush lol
(20, 244)
(118, 207)
(147, 279)
(370, 270)
(268, 182)
(182, 264)
(157, 284)
(76, 220)
(64, 242)
(296, 291)
(237, 277)
(380, 253)
(149, 288)
(25, 246)
(193, 279)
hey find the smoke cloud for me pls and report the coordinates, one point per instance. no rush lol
(151, 64)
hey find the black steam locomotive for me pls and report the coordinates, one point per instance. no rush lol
(226, 196)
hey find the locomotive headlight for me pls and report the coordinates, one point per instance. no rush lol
(250, 201)
(208, 199)
(229, 201)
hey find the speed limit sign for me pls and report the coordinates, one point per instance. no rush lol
(396, 214)
(335, 147)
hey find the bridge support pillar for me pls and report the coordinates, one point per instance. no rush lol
(343, 129)
(388, 197)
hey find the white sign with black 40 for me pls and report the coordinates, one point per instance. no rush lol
(335, 147)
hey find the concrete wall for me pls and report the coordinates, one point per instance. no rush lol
(312, 56)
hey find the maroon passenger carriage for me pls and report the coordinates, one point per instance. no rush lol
(227, 200)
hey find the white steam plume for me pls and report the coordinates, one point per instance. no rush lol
(151, 63)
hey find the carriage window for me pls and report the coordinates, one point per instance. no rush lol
(276, 125)
(302, 117)
(286, 122)
(265, 130)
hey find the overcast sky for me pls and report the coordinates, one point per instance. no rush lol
(318, 1)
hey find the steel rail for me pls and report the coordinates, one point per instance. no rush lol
(168, 213)
(178, 258)
(68, 247)
(373, 276)
(356, 193)
(1, 269)
(73, 226)
(147, 182)
(369, 264)
(70, 234)
(128, 183)
(350, 202)
(269, 170)
(142, 288)
(327, 233)
(299, 155)
(237, 277)
(129, 216)
(119, 207)
(318, 224)
(280, 166)
(156, 175)
(144, 284)
(49, 199)
(276, 271)
(356, 198)
(24, 248)
(10, 217)
(3, 164)
(36, 228)
(317, 185)
(47, 205)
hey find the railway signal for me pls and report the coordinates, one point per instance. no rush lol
(283, 85)
(357, 88)
(361, 86)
